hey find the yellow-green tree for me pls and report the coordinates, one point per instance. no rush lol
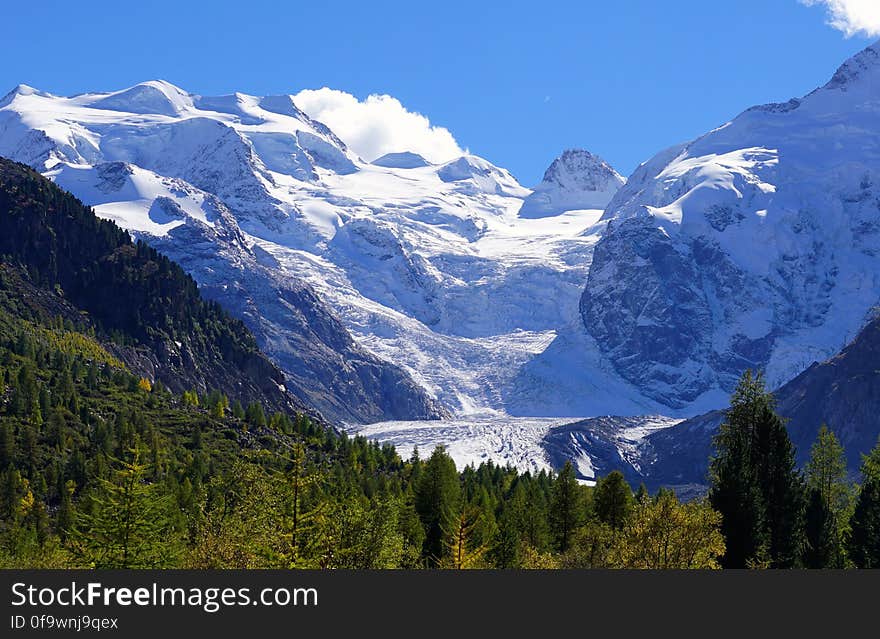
(664, 534)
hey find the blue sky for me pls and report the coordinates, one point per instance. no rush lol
(515, 82)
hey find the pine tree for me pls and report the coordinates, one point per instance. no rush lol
(255, 415)
(505, 551)
(7, 444)
(528, 506)
(864, 541)
(613, 500)
(567, 508)
(826, 523)
(300, 520)
(755, 484)
(822, 549)
(128, 524)
(437, 501)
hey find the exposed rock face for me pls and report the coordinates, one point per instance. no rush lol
(842, 393)
(754, 246)
(324, 367)
(575, 180)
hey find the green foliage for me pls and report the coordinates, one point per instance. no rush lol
(828, 506)
(663, 534)
(129, 289)
(438, 503)
(864, 542)
(755, 484)
(568, 510)
(613, 500)
(126, 522)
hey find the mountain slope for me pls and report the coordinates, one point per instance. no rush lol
(754, 246)
(189, 174)
(453, 302)
(58, 256)
(842, 392)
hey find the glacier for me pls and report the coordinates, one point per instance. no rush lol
(398, 291)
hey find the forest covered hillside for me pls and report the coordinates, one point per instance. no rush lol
(106, 462)
(143, 305)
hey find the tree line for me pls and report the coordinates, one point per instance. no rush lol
(102, 468)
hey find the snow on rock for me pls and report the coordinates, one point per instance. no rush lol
(156, 97)
(755, 246)
(481, 176)
(429, 267)
(575, 180)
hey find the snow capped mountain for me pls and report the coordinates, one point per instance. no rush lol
(576, 180)
(402, 289)
(188, 173)
(397, 289)
(754, 246)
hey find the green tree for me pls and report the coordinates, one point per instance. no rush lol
(613, 500)
(255, 416)
(128, 525)
(822, 549)
(826, 521)
(864, 541)
(755, 484)
(190, 398)
(528, 506)
(568, 510)
(664, 534)
(506, 549)
(438, 501)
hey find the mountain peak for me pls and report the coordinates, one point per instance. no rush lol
(577, 179)
(154, 97)
(588, 170)
(863, 63)
(23, 90)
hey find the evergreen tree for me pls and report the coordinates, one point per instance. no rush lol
(7, 444)
(754, 482)
(826, 522)
(528, 506)
(505, 551)
(128, 523)
(437, 501)
(864, 542)
(255, 416)
(613, 500)
(822, 549)
(567, 508)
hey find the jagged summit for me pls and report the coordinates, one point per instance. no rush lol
(575, 180)
(863, 64)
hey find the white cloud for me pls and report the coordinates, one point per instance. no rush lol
(853, 17)
(378, 125)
